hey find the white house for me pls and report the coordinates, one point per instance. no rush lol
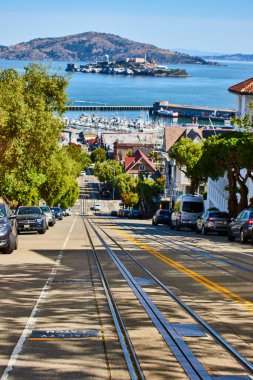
(244, 96)
(217, 196)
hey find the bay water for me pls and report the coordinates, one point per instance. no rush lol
(206, 86)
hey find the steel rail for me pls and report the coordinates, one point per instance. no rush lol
(244, 362)
(192, 367)
(125, 341)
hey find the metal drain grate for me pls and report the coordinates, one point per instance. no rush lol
(188, 330)
(65, 334)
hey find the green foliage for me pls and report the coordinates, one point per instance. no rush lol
(149, 192)
(230, 153)
(98, 155)
(32, 166)
(187, 155)
(78, 155)
(107, 170)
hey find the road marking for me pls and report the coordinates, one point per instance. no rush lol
(190, 273)
(32, 319)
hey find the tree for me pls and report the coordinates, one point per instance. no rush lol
(78, 155)
(148, 192)
(98, 155)
(230, 153)
(126, 185)
(107, 170)
(187, 155)
(32, 166)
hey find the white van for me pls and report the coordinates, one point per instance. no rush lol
(188, 208)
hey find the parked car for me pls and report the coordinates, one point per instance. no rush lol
(8, 230)
(113, 213)
(57, 212)
(188, 208)
(50, 218)
(68, 212)
(135, 214)
(97, 207)
(31, 218)
(242, 227)
(126, 213)
(120, 212)
(162, 217)
(213, 221)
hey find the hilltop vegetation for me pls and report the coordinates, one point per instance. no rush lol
(92, 46)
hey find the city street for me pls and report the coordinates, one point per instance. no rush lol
(56, 321)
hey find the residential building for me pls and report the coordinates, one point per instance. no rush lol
(244, 96)
(139, 164)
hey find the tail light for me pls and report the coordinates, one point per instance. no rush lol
(210, 219)
(179, 216)
(249, 222)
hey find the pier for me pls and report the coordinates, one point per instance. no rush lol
(185, 111)
(109, 108)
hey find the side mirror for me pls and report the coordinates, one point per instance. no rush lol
(13, 216)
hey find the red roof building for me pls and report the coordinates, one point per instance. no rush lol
(244, 96)
(138, 164)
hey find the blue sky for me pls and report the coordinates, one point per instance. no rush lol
(207, 25)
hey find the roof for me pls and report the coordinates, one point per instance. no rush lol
(172, 135)
(245, 87)
(130, 162)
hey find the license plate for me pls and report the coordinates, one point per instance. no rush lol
(26, 225)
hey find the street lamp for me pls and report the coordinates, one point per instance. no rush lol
(113, 182)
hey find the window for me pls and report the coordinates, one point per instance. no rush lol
(142, 167)
(192, 206)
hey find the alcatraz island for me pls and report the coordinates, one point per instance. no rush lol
(128, 66)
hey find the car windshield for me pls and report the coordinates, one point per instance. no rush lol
(193, 206)
(45, 209)
(56, 209)
(2, 212)
(251, 215)
(219, 215)
(165, 212)
(28, 210)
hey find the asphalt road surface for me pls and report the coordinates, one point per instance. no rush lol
(57, 321)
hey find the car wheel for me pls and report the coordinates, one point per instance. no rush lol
(153, 223)
(43, 231)
(203, 230)
(177, 227)
(230, 236)
(243, 238)
(8, 250)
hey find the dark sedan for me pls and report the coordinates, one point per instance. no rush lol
(31, 218)
(135, 214)
(57, 211)
(162, 217)
(213, 221)
(242, 227)
(8, 230)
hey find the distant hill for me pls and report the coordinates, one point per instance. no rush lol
(198, 53)
(92, 46)
(232, 57)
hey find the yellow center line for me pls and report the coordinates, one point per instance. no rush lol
(226, 293)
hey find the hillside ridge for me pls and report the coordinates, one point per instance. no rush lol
(92, 46)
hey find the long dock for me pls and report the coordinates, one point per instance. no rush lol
(182, 110)
(109, 108)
